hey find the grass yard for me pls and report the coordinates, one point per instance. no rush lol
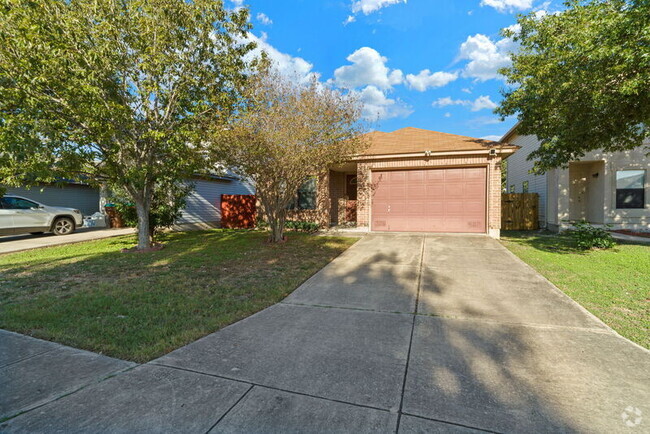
(612, 284)
(137, 306)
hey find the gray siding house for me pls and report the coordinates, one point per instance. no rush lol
(602, 187)
(71, 195)
(203, 205)
(203, 208)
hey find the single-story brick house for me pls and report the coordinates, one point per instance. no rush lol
(412, 180)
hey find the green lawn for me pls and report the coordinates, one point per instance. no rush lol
(138, 306)
(612, 284)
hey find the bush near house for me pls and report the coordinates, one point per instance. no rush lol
(589, 237)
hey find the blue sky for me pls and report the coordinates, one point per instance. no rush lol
(420, 63)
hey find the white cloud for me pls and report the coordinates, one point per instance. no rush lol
(264, 19)
(237, 4)
(447, 115)
(485, 56)
(376, 106)
(447, 101)
(285, 63)
(425, 79)
(483, 121)
(368, 68)
(349, 19)
(370, 6)
(481, 103)
(494, 138)
(466, 90)
(508, 5)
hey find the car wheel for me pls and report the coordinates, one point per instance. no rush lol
(63, 226)
(36, 233)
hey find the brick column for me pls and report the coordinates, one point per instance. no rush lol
(364, 194)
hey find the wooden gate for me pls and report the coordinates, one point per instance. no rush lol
(238, 211)
(519, 211)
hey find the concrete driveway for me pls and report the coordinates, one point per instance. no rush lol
(408, 333)
(17, 243)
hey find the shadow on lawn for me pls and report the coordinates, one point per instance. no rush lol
(545, 241)
(138, 306)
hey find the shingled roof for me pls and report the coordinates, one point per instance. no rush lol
(415, 140)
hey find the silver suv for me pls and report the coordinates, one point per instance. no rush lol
(19, 215)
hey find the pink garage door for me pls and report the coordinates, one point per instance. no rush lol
(429, 200)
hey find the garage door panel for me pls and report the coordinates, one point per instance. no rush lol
(430, 200)
(454, 174)
(433, 208)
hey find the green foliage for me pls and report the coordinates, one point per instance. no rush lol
(302, 226)
(116, 91)
(286, 132)
(293, 225)
(589, 237)
(167, 204)
(581, 79)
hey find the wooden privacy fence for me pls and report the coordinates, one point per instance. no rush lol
(519, 211)
(238, 211)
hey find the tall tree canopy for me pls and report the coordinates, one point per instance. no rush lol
(118, 91)
(286, 132)
(581, 79)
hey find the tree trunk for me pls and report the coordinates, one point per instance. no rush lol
(144, 234)
(277, 229)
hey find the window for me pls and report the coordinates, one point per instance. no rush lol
(524, 187)
(512, 188)
(630, 189)
(17, 203)
(306, 197)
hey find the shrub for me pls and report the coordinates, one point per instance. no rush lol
(301, 226)
(167, 204)
(590, 237)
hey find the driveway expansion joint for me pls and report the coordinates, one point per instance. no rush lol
(66, 394)
(452, 423)
(241, 398)
(279, 389)
(27, 358)
(408, 354)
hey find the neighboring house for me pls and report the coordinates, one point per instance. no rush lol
(412, 180)
(203, 207)
(602, 188)
(70, 195)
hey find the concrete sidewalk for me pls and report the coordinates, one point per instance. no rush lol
(17, 243)
(407, 333)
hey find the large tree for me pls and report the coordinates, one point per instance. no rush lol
(581, 79)
(117, 91)
(285, 132)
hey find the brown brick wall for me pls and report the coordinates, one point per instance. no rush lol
(337, 191)
(364, 179)
(321, 214)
